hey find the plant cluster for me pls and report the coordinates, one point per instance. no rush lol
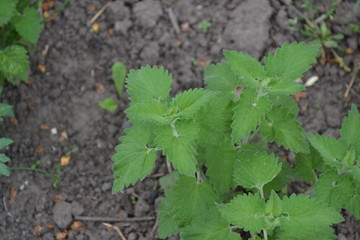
(20, 27)
(5, 111)
(226, 180)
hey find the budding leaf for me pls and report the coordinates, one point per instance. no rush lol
(248, 69)
(245, 211)
(177, 143)
(255, 169)
(149, 84)
(248, 113)
(133, 160)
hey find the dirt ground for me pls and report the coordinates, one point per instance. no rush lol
(58, 111)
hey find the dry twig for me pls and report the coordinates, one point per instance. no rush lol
(356, 71)
(107, 219)
(116, 229)
(101, 11)
(173, 20)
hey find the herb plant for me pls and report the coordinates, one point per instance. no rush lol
(226, 180)
(5, 111)
(20, 27)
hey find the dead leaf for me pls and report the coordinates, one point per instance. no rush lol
(44, 127)
(37, 230)
(61, 235)
(65, 160)
(42, 68)
(47, 5)
(111, 32)
(100, 88)
(38, 149)
(299, 96)
(30, 106)
(14, 121)
(95, 27)
(63, 136)
(349, 51)
(204, 63)
(13, 194)
(77, 226)
(91, 7)
(58, 198)
(94, 198)
(178, 42)
(50, 226)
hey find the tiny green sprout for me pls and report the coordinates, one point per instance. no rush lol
(118, 75)
(194, 62)
(108, 104)
(204, 25)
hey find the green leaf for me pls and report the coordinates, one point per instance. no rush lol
(169, 180)
(189, 102)
(282, 127)
(349, 135)
(248, 113)
(5, 110)
(149, 84)
(182, 204)
(285, 102)
(108, 104)
(7, 10)
(220, 166)
(331, 150)
(248, 69)
(354, 204)
(334, 189)
(177, 143)
(13, 60)
(28, 25)
(118, 71)
(220, 77)
(290, 61)
(306, 218)
(307, 163)
(3, 168)
(279, 86)
(4, 142)
(214, 121)
(255, 169)
(151, 111)
(274, 205)
(133, 160)
(210, 227)
(245, 211)
(285, 177)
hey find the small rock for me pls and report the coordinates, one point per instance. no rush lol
(352, 43)
(150, 53)
(148, 12)
(106, 186)
(62, 214)
(141, 208)
(132, 236)
(76, 208)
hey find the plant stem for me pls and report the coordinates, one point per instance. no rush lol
(262, 197)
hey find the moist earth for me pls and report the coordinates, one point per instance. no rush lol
(58, 110)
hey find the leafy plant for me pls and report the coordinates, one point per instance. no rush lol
(20, 27)
(118, 75)
(217, 139)
(204, 26)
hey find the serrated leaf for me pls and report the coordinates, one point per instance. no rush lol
(285, 102)
(290, 61)
(350, 133)
(189, 102)
(355, 173)
(149, 84)
(255, 169)
(313, 217)
(5, 110)
(214, 121)
(182, 204)
(4, 142)
(3, 168)
(280, 86)
(285, 177)
(248, 113)
(353, 206)
(169, 180)
(283, 128)
(151, 111)
(210, 227)
(220, 77)
(133, 160)
(306, 164)
(274, 205)
(334, 189)
(245, 211)
(331, 150)
(248, 69)
(177, 143)
(7, 10)
(13, 60)
(108, 104)
(220, 166)
(28, 25)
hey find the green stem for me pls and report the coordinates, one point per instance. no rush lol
(262, 197)
(56, 11)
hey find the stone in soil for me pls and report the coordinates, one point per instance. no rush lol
(62, 214)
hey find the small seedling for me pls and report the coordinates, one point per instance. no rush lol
(108, 104)
(204, 26)
(216, 138)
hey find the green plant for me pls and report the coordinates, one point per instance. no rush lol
(204, 26)
(118, 75)
(216, 138)
(5, 111)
